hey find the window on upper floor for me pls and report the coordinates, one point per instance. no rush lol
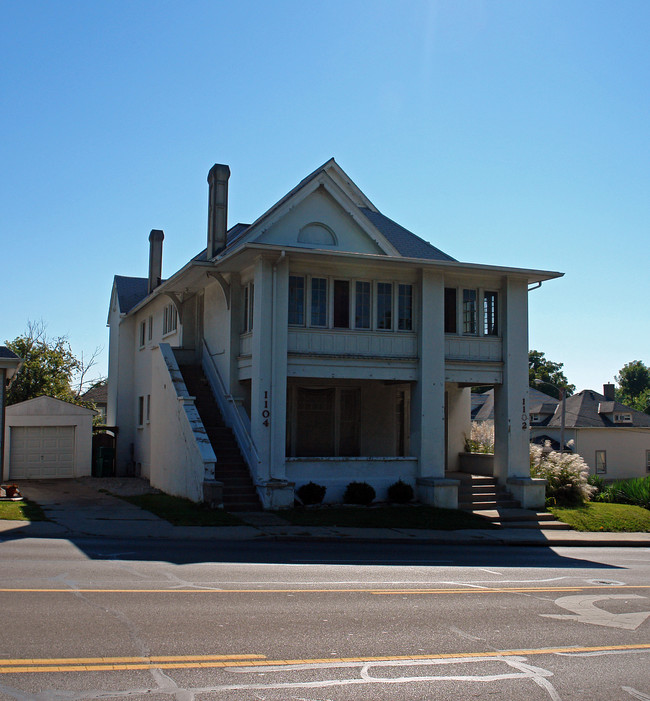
(451, 321)
(143, 334)
(601, 462)
(170, 319)
(490, 313)
(470, 313)
(622, 418)
(140, 411)
(341, 304)
(318, 302)
(150, 328)
(247, 307)
(405, 307)
(362, 304)
(384, 306)
(296, 300)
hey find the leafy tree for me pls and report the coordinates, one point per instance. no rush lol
(546, 371)
(634, 386)
(50, 368)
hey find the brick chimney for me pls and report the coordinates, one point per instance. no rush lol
(155, 259)
(608, 391)
(217, 208)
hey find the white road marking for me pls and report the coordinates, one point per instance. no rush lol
(585, 611)
(636, 694)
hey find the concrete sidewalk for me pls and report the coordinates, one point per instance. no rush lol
(82, 507)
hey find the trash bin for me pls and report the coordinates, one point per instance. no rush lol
(104, 464)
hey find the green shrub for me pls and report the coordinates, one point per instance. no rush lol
(311, 493)
(359, 493)
(565, 474)
(634, 491)
(598, 483)
(400, 492)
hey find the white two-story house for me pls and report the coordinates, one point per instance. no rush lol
(330, 342)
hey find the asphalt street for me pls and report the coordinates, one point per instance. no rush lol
(141, 619)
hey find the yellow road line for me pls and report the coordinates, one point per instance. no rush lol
(216, 661)
(349, 590)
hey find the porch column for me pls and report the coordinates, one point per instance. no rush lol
(428, 396)
(235, 332)
(279, 368)
(511, 452)
(459, 423)
(269, 379)
(261, 369)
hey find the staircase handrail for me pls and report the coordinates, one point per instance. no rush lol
(231, 410)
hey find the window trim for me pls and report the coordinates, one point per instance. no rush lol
(170, 319)
(142, 334)
(140, 411)
(602, 470)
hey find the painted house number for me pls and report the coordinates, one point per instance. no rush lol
(524, 415)
(266, 413)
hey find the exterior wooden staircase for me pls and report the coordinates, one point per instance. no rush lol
(239, 492)
(484, 497)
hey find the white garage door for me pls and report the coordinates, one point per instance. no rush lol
(40, 452)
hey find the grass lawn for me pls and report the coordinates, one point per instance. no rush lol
(595, 516)
(182, 512)
(385, 517)
(21, 511)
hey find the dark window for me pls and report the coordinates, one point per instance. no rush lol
(385, 305)
(362, 305)
(341, 304)
(319, 301)
(405, 308)
(296, 300)
(450, 310)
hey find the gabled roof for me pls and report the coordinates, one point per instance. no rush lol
(7, 353)
(484, 410)
(130, 291)
(582, 411)
(47, 405)
(407, 243)
(97, 394)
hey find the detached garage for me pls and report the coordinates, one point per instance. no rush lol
(47, 438)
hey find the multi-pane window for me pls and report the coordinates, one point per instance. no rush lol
(318, 301)
(321, 302)
(247, 304)
(405, 308)
(341, 304)
(296, 300)
(490, 310)
(470, 325)
(140, 411)
(385, 305)
(451, 322)
(362, 305)
(601, 462)
(170, 319)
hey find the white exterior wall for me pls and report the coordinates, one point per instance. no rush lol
(511, 431)
(46, 411)
(625, 447)
(337, 473)
(217, 329)
(181, 455)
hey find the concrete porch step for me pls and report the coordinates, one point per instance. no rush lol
(521, 518)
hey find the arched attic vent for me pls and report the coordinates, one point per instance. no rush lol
(317, 233)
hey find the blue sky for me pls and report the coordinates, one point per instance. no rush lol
(504, 132)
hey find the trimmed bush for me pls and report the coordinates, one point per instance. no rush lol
(311, 493)
(359, 493)
(400, 492)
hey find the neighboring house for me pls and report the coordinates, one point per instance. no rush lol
(613, 439)
(47, 438)
(339, 347)
(98, 395)
(540, 406)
